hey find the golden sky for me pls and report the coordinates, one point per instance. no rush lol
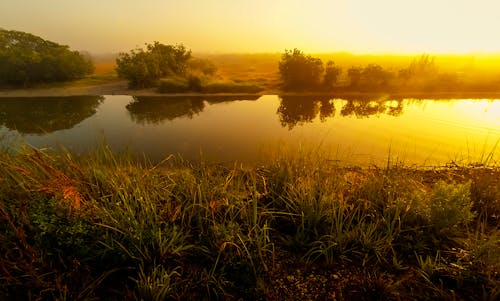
(360, 26)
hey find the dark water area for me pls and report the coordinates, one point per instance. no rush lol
(357, 130)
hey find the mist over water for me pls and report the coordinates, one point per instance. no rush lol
(354, 130)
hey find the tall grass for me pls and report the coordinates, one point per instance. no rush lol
(104, 225)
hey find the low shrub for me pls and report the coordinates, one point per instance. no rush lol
(173, 85)
(230, 87)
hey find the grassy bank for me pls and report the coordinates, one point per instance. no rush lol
(102, 226)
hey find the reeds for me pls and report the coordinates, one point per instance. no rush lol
(103, 225)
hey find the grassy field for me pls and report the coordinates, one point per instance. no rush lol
(103, 226)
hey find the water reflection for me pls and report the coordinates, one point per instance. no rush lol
(365, 108)
(357, 130)
(297, 110)
(43, 115)
(155, 110)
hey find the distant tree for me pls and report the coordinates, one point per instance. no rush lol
(354, 74)
(300, 72)
(331, 76)
(26, 59)
(144, 67)
(422, 67)
(374, 76)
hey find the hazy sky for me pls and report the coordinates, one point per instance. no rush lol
(362, 26)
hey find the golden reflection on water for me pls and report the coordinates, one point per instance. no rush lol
(350, 130)
(422, 132)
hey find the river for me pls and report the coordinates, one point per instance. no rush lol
(350, 130)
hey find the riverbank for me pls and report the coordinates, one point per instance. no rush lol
(120, 87)
(101, 225)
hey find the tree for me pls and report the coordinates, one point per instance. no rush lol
(422, 67)
(299, 72)
(332, 73)
(374, 76)
(354, 74)
(26, 59)
(144, 67)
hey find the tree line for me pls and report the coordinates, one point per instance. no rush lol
(26, 59)
(301, 72)
(173, 69)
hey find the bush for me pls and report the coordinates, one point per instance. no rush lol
(230, 87)
(26, 59)
(143, 68)
(173, 85)
(331, 76)
(300, 72)
(202, 66)
(451, 206)
(194, 83)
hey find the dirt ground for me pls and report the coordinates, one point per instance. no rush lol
(111, 88)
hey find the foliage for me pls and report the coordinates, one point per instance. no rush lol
(104, 225)
(197, 66)
(331, 76)
(143, 68)
(156, 285)
(230, 87)
(26, 59)
(421, 67)
(374, 75)
(197, 84)
(173, 84)
(451, 206)
(371, 77)
(354, 74)
(300, 72)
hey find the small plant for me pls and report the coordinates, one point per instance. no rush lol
(156, 285)
(428, 266)
(451, 206)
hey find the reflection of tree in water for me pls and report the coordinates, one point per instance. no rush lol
(42, 115)
(297, 110)
(366, 108)
(229, 98)
(157, 109)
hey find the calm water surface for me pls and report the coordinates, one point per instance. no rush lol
(355, 131)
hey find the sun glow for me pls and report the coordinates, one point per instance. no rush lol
(360, 26)
(446, 26)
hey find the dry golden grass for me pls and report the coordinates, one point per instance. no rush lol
(257, 69)
(104, 67)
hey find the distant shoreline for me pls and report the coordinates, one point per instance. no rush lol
(120, 88)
